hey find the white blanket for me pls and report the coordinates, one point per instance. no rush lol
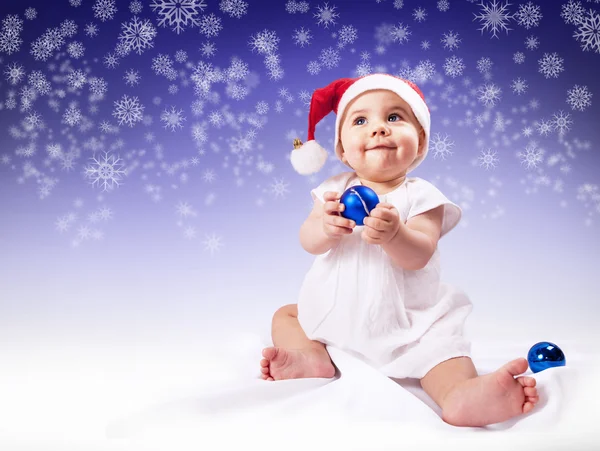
(212, 397)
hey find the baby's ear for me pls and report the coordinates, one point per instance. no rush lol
(421, 141)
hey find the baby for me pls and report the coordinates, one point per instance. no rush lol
(374, 290)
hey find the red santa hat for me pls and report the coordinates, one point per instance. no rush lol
(310, 157)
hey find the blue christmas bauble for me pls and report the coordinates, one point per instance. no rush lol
(359, 201)
(544, 355)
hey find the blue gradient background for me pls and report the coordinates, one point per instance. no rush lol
(144, 281)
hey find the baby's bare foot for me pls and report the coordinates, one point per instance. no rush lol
(280, 363)
(491, 398)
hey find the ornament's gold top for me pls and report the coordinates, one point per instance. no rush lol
(297, 143)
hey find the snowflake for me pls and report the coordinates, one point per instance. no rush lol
(210, 25)
(424, 71)
(181, 56)
(484, 65)
(489, 95)
(98, 86)
(262, 107)
(235, 8)
(347, 35)
(579, 98)
(519, 86)
(178, 13)
(14, 73)
(454, 66)
(313, 67)
(279, 188)
(443, 5)
(572, 12)
(519, 57)
(10, 42)
(131, 77)
(91, 30)
(400, 33)
(326, 15)
(425, 45)
(172, 118)
(185, 210)
(72, 116)
(264, 42)
(238, 70)
(532, 43)
(208, 49)
(106, 171)
(330, 57)
(302, 37)
(451, 40)
(441, 146)
(137, 35)
(529, 15)
(105, 9)
(162, 64)
(419, 14)
(532, 156)
(212, 243)
(488, 159)
(75, 49)
(398, 4)
(111, 61)
(561, 122)
(494, 17)
(76, 79)
(544, 127)
(588, 31)
(128, 110)
(551, 65)
(30, 13)
(136, 7)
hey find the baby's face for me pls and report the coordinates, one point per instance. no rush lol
(380, 135)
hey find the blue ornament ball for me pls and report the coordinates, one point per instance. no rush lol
(359, 201)
(544, 355)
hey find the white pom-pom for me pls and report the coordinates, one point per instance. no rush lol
(309, 158)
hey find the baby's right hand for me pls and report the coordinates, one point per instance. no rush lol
(335, 225)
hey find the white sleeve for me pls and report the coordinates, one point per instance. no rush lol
(337, 183)
(424, 196)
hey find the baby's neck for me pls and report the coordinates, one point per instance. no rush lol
(383, 187)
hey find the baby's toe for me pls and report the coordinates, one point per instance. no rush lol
(527, 381)
(527, 407)
(264, 370)
(532, 399)
(530, 391)
(264, 362)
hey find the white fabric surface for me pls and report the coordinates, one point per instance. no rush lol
(355, 298)
(210, 396)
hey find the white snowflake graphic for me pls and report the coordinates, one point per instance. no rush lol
(326, 15)
(172, 118)
(235, 8)
(451, 40)
(128, 110)
(137, 35)
(330, 57)
(551, 65)
(178, 14)
(454, 66)
(488, 159)
(489, 94)
(212, 243)
(579, 98)
(494, 17)
(572, 12)
(519, 86)
(528, 15)
(210, 25)
(532, 156)
(419, 14)
(400, 33)
(441, 146)
(302, 37)
(264, 42)
(106, 171)
(588, 31)
(105, 9)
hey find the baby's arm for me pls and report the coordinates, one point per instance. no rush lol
(324, 227)
(415, 242)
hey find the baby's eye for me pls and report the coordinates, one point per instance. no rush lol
(357, 121)
(397, 116)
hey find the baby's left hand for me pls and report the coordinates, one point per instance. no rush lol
(382, 224)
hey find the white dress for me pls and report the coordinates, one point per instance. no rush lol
(355, 298)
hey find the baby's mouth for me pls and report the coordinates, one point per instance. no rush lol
(381, 148)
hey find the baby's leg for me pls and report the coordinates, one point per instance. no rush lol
(467, 399)
(294, 354)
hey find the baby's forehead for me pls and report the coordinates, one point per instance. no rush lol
(388, 97)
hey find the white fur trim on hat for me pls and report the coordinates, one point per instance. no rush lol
(390, 83)
(309, 158)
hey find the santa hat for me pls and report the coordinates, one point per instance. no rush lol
(310, 157)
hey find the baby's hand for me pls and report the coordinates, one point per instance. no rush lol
(334, 225)
(382, 224)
